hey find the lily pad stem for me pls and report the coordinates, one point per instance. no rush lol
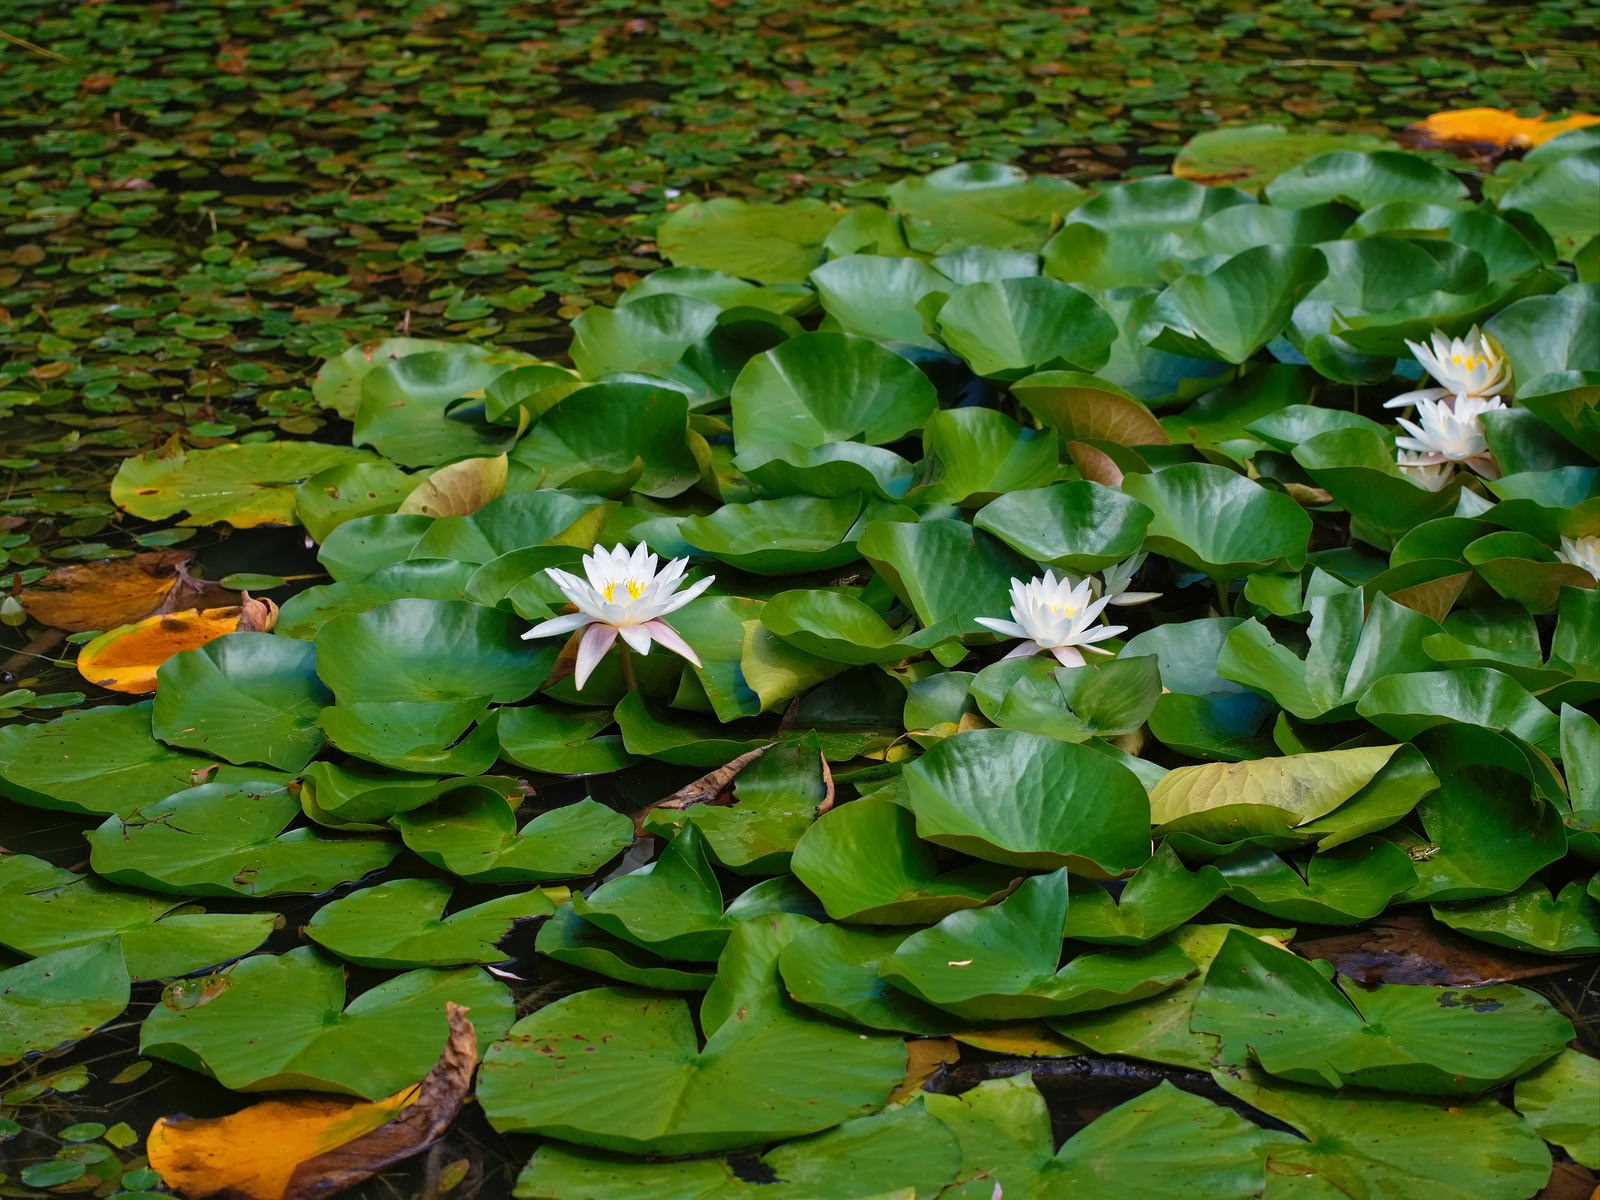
(627, 669)
(1224, 600)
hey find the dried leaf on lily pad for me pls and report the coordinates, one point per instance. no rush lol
(126, 659)
(460, 489)
(313, 1146)
(119, 591)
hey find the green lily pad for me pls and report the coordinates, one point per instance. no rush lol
(841, 627)
(1160, 896)
(747, 1085)
(648, 334)
(44, 909)
(434, 737)
(769, 243)
(1249, 156)
(831, 469)
(1080, 525)
(60, 997)
(1071, 704)
(775, 800)
(865, 863)
(1352, 883)
(338, 382)
(281, 1022)
(1005, 330)
(1219, 522)
(102, 760)
(567, 937)
(838, 971)
(1405, 705)
(1272, 1005)
(829, 387)
(879, 298)
(1164, 1144)
(1531, 919)
(790, 536)
(1557, 1100)
(1000, 963)
(473, 833)
(897, 1148)
(671, 907)
(560, 741)
(1365, 180)
(944, 570)
(244, 485)
(246, 697)
(430, 650)
(342, 493)
(611, 437)
(427, 409)
(1232, 311)
(987, 204)
(976, 454)
(223, 839)
(1366, 1143)
(401, 924)
(1025, 800)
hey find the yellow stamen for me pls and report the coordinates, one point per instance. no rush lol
(635, 590)
(608, 591)
(1063, 610)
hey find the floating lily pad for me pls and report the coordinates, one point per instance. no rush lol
(828, 387)
(60, 997)
(1352, 883)
(1557, 1101)
(102, 760)
(281, 1022)
(769, 243)
(865, 863)
(244, 485)
(473, 833)
(1026, 800)
(1396, 1037)
(247, 697)
(567, 937)
(401, 924)
(430, 650)
(1531, 919)
(745, 1086)
(1219, 522)
(1160, 896)
(1000, 963)
(837, 970)
(612, 437)
(435, 737)
(426, 409)
(943, 569)
(44, 909)
(671, 907)
(560, 741)
(779, 537)
(225, 839)
(1006, 329)
(1079, 525)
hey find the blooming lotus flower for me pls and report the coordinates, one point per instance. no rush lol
(1055, 615)
(1418, 469)
(1470, 366)
(1115, 581)
(1581, 552)
(1453, 435)
(623, 594)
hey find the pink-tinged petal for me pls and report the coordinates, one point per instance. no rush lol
(1024, 650)
(1002, 626)
(592, 648)
(637, 637)
(668, 637)
(689, 593)
(1068, 656)
(559, 625)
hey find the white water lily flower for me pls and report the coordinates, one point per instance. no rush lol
(1055, 615)
(1449, 434)
(1115, 581)
(1416, 468)
(1471, 366)
(1581, 552)
(623, 594)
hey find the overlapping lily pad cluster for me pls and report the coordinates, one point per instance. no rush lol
(1353, 690)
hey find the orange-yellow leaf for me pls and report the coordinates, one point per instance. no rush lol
(254, 1152)
(117, 591)
(1028, 1039)
(125, 659)
(1492, 127)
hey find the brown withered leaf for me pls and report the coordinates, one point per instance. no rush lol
(256, 616)
(120, 591)
(1094, 464)
(1411, 949)
(309, 1147)
(714, 787)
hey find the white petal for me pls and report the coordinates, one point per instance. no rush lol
(559, 625)
(1100, 633)
(637, 637)
(1068, 656)
(1406, 399)
(674, 603)
(1002, 626)
(669, 638)
(596, 641)
(1023, 650)
(1123, 599)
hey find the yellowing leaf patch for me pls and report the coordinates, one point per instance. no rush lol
(126, 659)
